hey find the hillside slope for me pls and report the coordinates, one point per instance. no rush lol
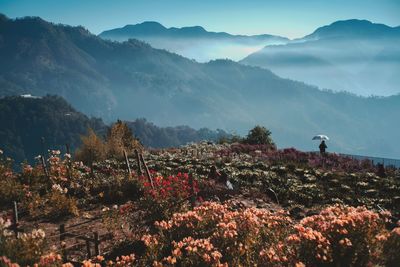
(354, 55)
(25, 120)
(133, 80)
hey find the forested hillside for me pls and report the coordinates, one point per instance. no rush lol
(30, 126)
(132, 80)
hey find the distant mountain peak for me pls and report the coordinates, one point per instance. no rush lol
(350, 27)
(155, 28)
(148, 24)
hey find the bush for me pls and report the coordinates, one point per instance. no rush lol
(212, 235)
(340, 236)
(26, 249)
(392, 247)
(120, 138)
(92, 149)
(259, 135)
(167, 196)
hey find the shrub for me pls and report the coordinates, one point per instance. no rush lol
(259, 135)
(391, 248)
(120, 138)
(26, 249)
(340, 236)
(168, 195)
(10, 188)
(92, 149)
(212, 235)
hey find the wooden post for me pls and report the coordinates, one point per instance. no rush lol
(15, 219)
(139, 170)
(62, 242)
(127, 163)
(69, 162)
(89, 253)
(44, 167)
(43, 148)
(96, 243)
(192, 196)
(147, 171)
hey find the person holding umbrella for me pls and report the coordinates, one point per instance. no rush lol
(322, 146)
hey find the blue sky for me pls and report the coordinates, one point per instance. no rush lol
(291, 18)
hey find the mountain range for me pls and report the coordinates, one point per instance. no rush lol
(357, 56)
(193, 42)
(129, 80)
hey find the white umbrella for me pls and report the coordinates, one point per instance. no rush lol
(321, 137)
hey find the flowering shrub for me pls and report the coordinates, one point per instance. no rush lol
(26, 249)
(167, 194)
(340, 235)
(391, 248)
(121, 261)
(213, 235)
(10, 188)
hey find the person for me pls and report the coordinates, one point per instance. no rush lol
(322, 147)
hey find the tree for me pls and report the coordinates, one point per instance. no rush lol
(259, 135)
(120, 138)
(92, 148)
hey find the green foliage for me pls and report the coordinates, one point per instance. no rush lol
(92, 149)
(259, 135)
(30, 126)
(153, 136)
(26, 249)
(119, 139)
(230, 139)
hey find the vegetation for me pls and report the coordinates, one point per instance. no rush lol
(259, 135)
(105, 79)
(31, 126)
(316, 223)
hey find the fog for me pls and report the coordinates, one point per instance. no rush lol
(204, 50)
(360, 66)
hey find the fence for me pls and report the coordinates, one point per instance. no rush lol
(375, 160)
(90, 241)
(70, 238)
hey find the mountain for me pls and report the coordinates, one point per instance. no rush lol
(353, 55)
(26, 119)
(154, 136)
(132, 80)
(193, 42)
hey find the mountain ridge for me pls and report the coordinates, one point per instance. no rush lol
(194, 41)
(353, 55)
(353, 28)
(152, 27)
(131, 80)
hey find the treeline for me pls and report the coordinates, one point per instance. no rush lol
(153, 136)
(32, 125)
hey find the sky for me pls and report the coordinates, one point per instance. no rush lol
(289, 18)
